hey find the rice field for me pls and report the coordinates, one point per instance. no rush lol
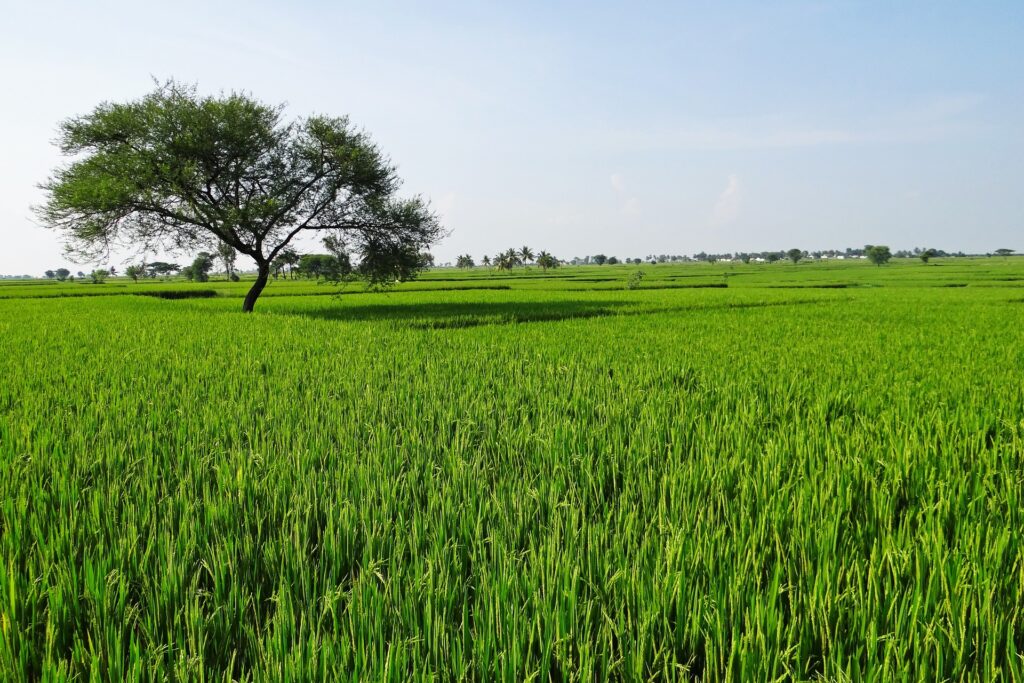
(756, 473)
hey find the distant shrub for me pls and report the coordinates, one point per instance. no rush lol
(634, 280)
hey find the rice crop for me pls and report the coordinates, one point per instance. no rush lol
(558, 481)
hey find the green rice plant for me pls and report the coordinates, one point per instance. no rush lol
(555, 481)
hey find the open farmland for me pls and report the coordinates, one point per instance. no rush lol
(733, 472)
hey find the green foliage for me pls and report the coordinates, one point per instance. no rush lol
(176, 170)
(561, 480)
(926, 255)
(600, 259)
(878, 254)
(386, 262)
(635, 279)
(327, 266)
(545, 260)
(99, 276)
(227, 256)
(1005, 252)
(285, 262)
(508, 259)
(135, 272)
(795, 255)
(200, 269)
(161, 269)
(465, 261)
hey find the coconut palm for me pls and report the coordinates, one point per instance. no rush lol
(507, 260)
(546, 260)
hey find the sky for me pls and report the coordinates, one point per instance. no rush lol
(581, 127)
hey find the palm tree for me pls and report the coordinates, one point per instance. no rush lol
(546, 260)
(486, 260)
(507, 260)
(527, 254)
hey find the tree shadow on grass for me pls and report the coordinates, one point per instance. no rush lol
(453, 315)
(456, 315)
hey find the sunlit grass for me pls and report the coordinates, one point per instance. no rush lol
(540, 483)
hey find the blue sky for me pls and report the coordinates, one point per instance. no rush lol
(580, 127)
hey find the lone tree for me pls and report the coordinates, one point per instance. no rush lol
(200, 269)
(226, 254)
(177, 171)
(1004, 252)
(926, 255)
(795, 255)
(162, 269)
(878, 254)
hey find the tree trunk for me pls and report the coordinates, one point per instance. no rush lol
(257, 287)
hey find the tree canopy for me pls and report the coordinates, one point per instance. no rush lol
(545, 260)
(178, 171)
(878, 254)
(200, 269)
(161, 268)
(326, 266)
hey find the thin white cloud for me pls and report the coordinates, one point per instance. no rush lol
(628, 206)
(728, 205)
(631, 207)
(937, 118)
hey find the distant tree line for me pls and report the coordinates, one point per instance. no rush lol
(510, 258)
(924, 253)
(337, 265)
(97, 276)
